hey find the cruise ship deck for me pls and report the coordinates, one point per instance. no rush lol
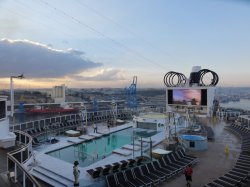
(213, 162)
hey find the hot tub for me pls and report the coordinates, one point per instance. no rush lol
(193, 142)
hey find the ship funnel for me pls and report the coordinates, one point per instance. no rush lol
(194, 78)
(196, 68)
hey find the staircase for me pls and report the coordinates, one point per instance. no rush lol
(51, 177)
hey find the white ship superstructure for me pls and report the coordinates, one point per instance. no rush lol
(7, 138)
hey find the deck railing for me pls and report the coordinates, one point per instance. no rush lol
(75, 117)
(18, 157)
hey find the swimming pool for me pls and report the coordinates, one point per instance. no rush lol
(192, 137)
(193, 142)
(89, 152)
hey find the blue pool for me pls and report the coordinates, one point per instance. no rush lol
(89, 152)
(192, 137)
(193, 142)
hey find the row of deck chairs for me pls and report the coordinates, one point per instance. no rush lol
(152, 173)
(122, 116)
(115, 167)
(240, 174)
(56, 126)
(36, 131)
(69, 125)
(62, 126)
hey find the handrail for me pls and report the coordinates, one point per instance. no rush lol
(44, 121)
(11, 154)
(26, 145)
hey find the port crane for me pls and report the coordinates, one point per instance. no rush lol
(131, 95)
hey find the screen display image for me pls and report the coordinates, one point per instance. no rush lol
(187, 97)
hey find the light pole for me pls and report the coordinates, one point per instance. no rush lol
(114, 111)
(83, 115)
(169, 111)
(12, 94)
(174, 127)
(133, 138)
(151, 149)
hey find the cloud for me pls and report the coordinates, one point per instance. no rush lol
(103, 75)
(36, 60)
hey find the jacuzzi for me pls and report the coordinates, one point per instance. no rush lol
(193, 142)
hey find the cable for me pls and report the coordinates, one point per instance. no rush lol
(122, 27)
(214, 80)
(169, 79)
(103, 35)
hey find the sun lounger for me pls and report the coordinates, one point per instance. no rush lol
(231, 176)
(111, 181)
(238, 170)
(124, 164)
(222, 183)
(238, 174)
(94, 173)
(230, 181)
(106, 170)
(181, 154)
(173, 160)
(115, 167)
(159, 174)
(145, 180)
(132, 179)
(169, 168)
(185, 155)
(184, 160)
(146, 173)
(132, 162)
(161, 169)
(139, 160)
(122, 180)
(35, 141)
(169, 163)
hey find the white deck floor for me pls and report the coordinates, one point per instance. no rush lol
(65, 169)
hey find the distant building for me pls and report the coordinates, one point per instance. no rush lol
(58, 94)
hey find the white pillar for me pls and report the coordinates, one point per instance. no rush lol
(24, 176)
(15, 173)
(11, 97)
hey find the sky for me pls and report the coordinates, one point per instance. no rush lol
(97, 43)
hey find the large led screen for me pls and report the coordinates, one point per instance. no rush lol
(2, 109)
(187, 96)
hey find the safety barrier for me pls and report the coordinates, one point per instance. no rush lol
(15, 160)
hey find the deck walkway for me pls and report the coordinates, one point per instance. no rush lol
(213, 162)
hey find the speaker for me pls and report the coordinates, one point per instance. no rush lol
(170, 96)
(203, 97)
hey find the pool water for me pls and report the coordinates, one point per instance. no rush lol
(89, 152)
(192, 137)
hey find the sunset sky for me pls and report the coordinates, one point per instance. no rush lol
(187, 95)
(104, 43)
